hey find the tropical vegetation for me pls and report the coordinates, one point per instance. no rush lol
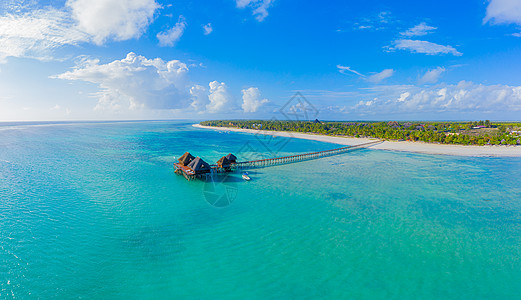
(462, 133)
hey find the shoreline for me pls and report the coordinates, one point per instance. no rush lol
(402, 146)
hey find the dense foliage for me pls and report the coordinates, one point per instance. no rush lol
(463, 133)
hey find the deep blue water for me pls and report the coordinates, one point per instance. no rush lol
(95, 211)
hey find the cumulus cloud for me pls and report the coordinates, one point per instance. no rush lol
(259, 7)
(251, 99)
(171, 36)
(419, 30)
(37, 32)
(379, 77)
(460, 98)
(503, 12)
(431, 76)
(404, 96)
(207, 29)
(134, 82)
(116, 19)
(218, 97)
(199, 98)
(425, 47)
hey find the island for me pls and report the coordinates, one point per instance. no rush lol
(476, 138)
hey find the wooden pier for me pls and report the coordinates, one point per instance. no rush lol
(189, 174)
(299, 157)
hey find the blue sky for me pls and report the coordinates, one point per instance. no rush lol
(352, 60)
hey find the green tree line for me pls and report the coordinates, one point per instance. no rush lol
(461, 133)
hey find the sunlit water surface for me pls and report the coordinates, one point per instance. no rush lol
(95, 211)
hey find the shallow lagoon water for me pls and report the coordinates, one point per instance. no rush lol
(94, 210)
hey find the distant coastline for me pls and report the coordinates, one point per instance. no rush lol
(403, 146)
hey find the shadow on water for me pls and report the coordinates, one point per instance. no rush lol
(150, 242)
(224, 178)
(232, 177)
(352, 204)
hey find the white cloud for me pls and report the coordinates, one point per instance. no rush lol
(404, 96)
(137, 83)
(376, 22)
(134, 82)
(424, 47)
(384, 17)
(243, 3)
(207, 29)
(375, 78)
(171, 36)
(26, 32)
(343, 69)
(251, 99)
(503, 12)
(260, 7)
(419, 30)
(15, 5)
(199, 97)
(36, 33)
(431, 76)
(464, 97)
(378, 77)
(116, 19)
(219, 97)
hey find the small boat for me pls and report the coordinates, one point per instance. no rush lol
(245, 176)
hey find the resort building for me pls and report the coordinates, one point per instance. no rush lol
(199, 166)
(186, 158)
(231, 158)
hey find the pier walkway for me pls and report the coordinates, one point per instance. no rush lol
(299, 157)
(189, 174)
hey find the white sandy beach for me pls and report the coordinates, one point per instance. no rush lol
(417, 147)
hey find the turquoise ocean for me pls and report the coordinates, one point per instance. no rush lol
(95, 211)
